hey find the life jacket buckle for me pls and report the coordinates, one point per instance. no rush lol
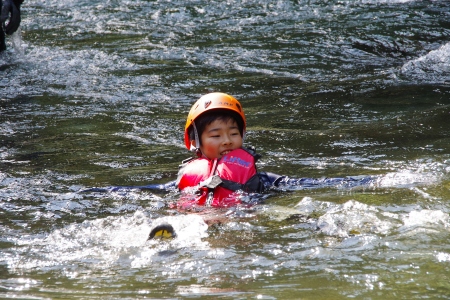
(212, 182)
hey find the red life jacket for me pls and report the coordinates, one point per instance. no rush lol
(215, 181)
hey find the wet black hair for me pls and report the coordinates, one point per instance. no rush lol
(210, 116)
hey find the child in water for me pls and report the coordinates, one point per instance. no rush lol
(215, 130)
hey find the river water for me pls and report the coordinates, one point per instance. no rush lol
(95, 94)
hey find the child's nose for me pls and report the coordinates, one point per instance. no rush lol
(227, 139)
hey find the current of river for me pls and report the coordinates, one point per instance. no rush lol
(95, 94)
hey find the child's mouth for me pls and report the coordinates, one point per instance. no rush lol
(225, 152)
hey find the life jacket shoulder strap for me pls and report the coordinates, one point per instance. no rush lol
(252, 151)
(185, 161)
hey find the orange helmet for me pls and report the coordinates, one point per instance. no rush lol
(210, 102)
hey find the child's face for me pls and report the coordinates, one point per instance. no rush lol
(219, 138)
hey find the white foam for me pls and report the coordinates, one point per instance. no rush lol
(355, 218)
(407, 178)
(443, 257)
(432, 67)
(352, 217)
(106, 242)
(425, 217)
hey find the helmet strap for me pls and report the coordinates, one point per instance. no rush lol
(197, 139)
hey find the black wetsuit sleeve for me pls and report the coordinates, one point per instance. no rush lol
(163, 187)
(264, 181)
